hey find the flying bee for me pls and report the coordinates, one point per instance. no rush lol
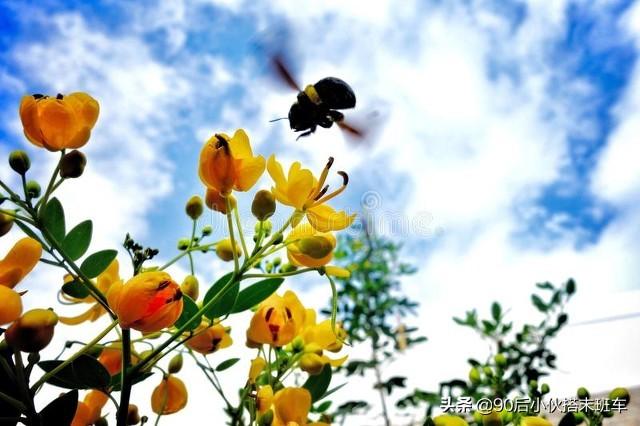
(318, 104)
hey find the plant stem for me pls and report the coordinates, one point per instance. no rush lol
(73, 357)
(376, 368)
(236, 266)
(184, 253)
(240, 233)
(23, 386)
(281, 274)
(125, 377)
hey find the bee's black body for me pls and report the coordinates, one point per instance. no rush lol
(317, 105)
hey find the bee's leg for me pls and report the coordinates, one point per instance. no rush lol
(335, 116)
(307, 133)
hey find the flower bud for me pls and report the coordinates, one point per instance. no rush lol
(312, 363)
(474, 376)
(209, 339)
(72, 164)
(297, 345)
(533, 384)
(500, 360)
(191, 287)
(276, 262)
(10, 305)
(133, 417)
(583, 393)
(263, 205)
(175, 365)
(492, 419)
(571, 287)
(544, 389)
(288, 267)
(33, 189)
(488, 371)
(6, 223)
(207, 230)
(224, 250)
(267, 227)
(266, 419)
(183, 244)
(33, 331)
(19, 162)
(169, 397)
(579, 417)
(257, 365)
(217, 202)
(194, 207)
(620, 394)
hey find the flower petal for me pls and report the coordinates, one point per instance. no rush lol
(324, 218)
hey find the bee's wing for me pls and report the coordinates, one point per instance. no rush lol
(352, 130)
(283, 72)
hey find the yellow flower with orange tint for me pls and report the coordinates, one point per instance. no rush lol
(10, 305)
(264, 399)
(318, 338)
(21, 259)
(104, 282)
(228, 164)
(209, 339)
(111, 358)
(148, 302)
(257, 366)
(277, 321)
(60, 122)
(301, 190)
(308, 247)
(170, 396)
(291, 408)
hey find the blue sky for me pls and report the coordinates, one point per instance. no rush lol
(504, 153)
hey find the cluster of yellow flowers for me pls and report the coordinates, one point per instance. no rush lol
(152, 302)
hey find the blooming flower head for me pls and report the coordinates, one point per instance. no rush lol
(277, 320)
(104, 282)
(148, 302)
(228, 164)
(309, 247)
(291, 408)
(301, 190)
(170, 396)
(209, 339)
(318, 338)
(60, 122)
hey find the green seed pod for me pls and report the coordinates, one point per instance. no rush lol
(263, 205)
(620, 394)
(175, 365)
(583, 393)
(33, 189)
(194, 207)
(72, 164)
(207, 230)
(183, 243)
(19, 162)
(6, 223)
(191, 287)
(500, 360)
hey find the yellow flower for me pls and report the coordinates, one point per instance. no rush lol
(534, 421)
(95, 401)
(10, 305)
(449, 420)
(264, 399)
(228, 164)
(224, 250)
(169, 397)
(111, 358)
(308, 195)
(33, 331)
(208, 340)
(60, 122)
(318, 338)
(257, 365)
(104, 282)
(277, 320)
(148, 302)
(20, 260)
(308, 247)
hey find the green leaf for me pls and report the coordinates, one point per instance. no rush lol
(53, 219)
(537, 301)
(256, 293)
(75, 289)
(77, 241)
(318, 385)
(61, 410)
(224, 305)
(97, 262)
(84, 372)
(227, 364)
(116, 381)
(189, 309)
(496, 311)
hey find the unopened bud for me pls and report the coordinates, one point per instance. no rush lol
(488, 371)
(6, 223)
(583, 393)
(277, 261)
(266, 227)
(175, 365)
(621, 394)
(297, 345)
(474, 376)
(72, 164)
(194, 207)
(312, 363)
(266, 419)
(133, 417)
(19, 162)
(544, 389)
(217, 202)
(571, 286)
(191, 287)
(207, 230)
(263, 205)
(278, 239)
(33, 331)
(501, 360)
(224, 250)
(33, 189)
(288, 267)
(183, 243)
